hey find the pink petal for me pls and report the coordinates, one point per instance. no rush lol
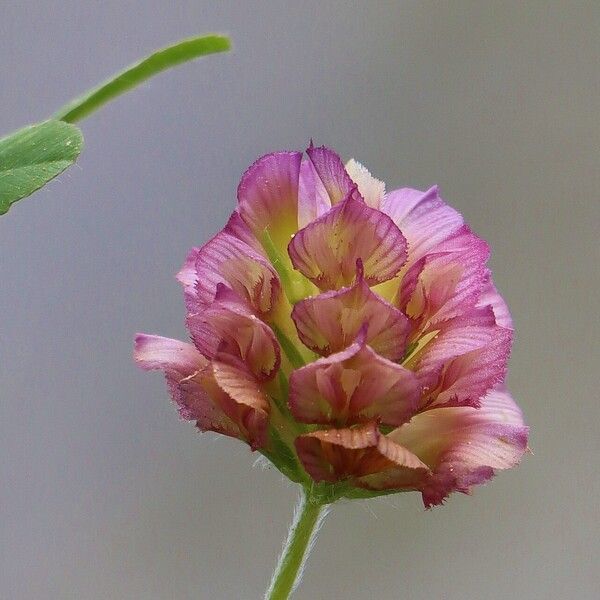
(331, 321)
(228, 260)
(331, 172)
(326, 251)
(372, 190)
(465, 446)
(268, 196)
(467, 358)
(360, 454)
(423, 217)
(228, 325)
(183, 366)
(353, 386)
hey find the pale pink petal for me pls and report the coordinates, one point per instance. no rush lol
(228, 325)
(268, 196)
(187, 274)
(313, 199)
(237, 227)
(183, 367)
(353, 386)
(371, 189)
(326, 251)
(238, 393)
(177, 359)
(228, 260)
(331, 171)
(197, 404)
(491, 297)
(467, 358)
(409, 283)
(449, 282)
(188, 278)
(406, 471)
(360, 454)
(423, 217)
(200, 290)
(465, 446)
(331, 321)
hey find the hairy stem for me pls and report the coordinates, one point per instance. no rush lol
(303, 530)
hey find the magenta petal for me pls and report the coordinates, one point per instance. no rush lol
(331, 171)
(268, 196)
(467, 358)
(465, 446)
(228, 325)
(228, 260)
(360, 454)
(353, 386)
(331, 321)
(327, 250)
(423, 217)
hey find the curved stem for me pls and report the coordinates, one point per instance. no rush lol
(287, 574)
(137, 73)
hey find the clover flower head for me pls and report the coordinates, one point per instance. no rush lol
(353, 336)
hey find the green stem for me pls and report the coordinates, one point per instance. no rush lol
(289, 349)
(137, 73)
(297, 547)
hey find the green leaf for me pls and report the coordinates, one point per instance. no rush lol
(34, 155)
(137, 73)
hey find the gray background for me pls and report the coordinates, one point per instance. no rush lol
(104, 493)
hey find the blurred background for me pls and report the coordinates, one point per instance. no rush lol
(104, 492)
